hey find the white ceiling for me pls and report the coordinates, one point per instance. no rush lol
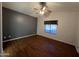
(28, 7)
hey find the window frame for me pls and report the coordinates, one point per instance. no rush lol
(50, 31)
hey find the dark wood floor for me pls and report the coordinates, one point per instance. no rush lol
(35, 46)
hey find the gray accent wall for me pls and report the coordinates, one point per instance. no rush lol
(16, 24)
(0, 31)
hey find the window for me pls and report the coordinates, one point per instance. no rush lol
(51, 27)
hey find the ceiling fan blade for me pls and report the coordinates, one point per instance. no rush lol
(47, 13)
(35, 8)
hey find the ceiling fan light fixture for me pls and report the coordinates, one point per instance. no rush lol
(44, 8)
(41, 12)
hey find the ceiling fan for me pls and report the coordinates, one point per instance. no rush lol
(44, 10)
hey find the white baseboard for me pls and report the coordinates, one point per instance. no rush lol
(56, 39)
(77, 48)
(19, 38)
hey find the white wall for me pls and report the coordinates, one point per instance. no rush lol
(66, 26)
(0, 30)
(77, 34)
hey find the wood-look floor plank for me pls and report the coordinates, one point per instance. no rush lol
(38, 46)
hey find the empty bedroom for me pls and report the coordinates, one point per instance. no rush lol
(40, 29)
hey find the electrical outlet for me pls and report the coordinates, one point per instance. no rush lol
(9, 36)
(5, 37)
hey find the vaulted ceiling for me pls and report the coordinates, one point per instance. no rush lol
(29, 7)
